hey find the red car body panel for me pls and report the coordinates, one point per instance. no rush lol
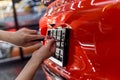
(94, 38)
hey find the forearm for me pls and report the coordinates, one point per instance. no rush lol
(6, 36)
(30, 69)
(32, 48)
(37, 57)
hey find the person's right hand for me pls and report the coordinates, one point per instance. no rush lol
(45, 51)
(25, 37)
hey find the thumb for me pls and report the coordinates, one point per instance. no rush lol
(50, 42)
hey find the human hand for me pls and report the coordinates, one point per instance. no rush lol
(25, 37)
(45, 51)
(38, 56)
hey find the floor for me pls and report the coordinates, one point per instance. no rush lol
(9, 70)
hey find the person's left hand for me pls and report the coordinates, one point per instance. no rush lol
(45, 51)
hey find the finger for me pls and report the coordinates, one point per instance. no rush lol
(35, 37)
(37, 44)
(53, 48)
(42, 36)
(32, 31)
(50, 43)
(49, 37)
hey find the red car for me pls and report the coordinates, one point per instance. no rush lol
(88, 39)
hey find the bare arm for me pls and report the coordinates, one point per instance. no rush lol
(22, 37)
(29, 70)
(38, 56)
(26, 50)
(5, 35)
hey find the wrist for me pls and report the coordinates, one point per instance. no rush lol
(36, 59)
(6, 36)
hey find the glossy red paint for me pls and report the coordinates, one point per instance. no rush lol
(11, 30)
(94, 52)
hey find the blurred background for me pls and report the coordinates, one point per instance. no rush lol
(19, 13)
(16, 14)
